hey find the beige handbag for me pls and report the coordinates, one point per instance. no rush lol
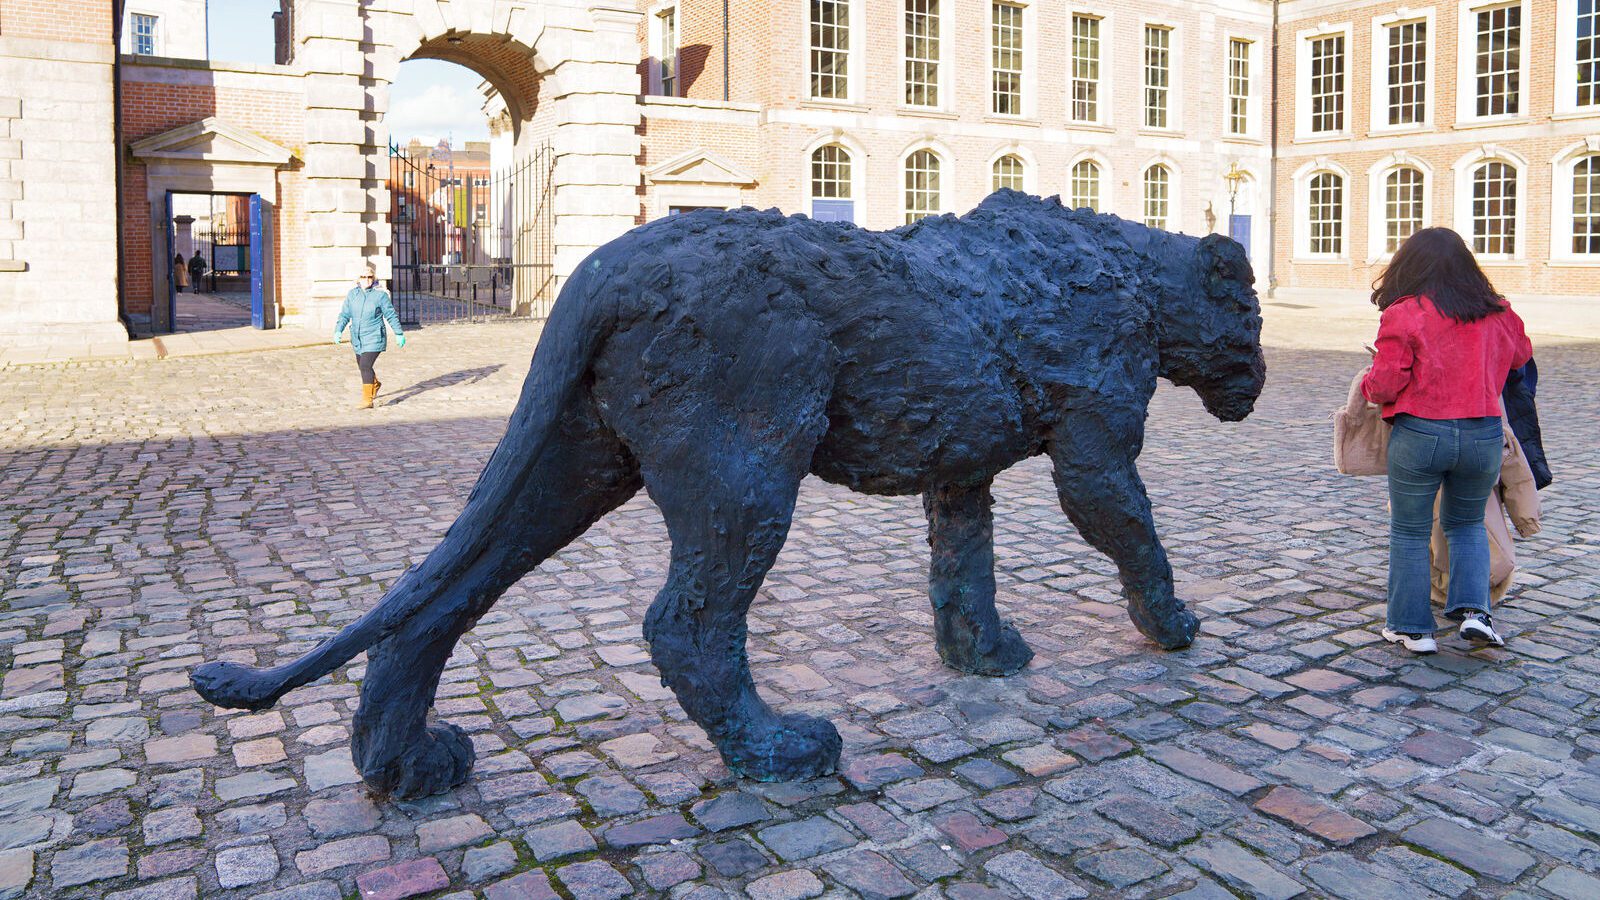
(1360, 435)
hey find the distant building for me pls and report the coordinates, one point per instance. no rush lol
(175, 29)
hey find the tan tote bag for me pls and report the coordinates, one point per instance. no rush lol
(1360, 435)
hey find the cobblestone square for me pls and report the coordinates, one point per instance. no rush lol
(154, 515)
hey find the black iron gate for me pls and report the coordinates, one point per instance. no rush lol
(469, 243)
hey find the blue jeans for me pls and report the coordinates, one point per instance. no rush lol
(1463, 457)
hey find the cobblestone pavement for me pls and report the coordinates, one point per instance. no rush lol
(153, 515)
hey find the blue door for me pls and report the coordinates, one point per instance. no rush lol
(1239, 230)
(164, 316)
(263, 301)
(833, 210)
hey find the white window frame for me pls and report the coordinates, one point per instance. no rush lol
(1106, 181)
(1174, 78)
(946, 182)
(1467, 64)
(1379, 103)
(1464, 170)
(1174, 190)
(858, 160)
(656, 11)
(1302, 212)
(157, 40)
(1561, 168)
(1567, 62)
(1378, 200)
(1302, 82)
(1030, 167)
(1030, 60)
(942, 83)
(854, 57)
(1104, 103)
(1253, 102)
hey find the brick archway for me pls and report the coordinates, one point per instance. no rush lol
(567, 72)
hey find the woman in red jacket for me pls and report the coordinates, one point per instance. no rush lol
(1445, 345)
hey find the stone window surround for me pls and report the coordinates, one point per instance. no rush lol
(1302, 212)
(1467, 63)
(854, 56)
(858, 165)
(157, 38)
(1377, 201)
(1174, 198)
(1567, 62)
(1105, 104)
(1561, 168)
(1174, 96)
(1379, 101)
(1302, 80)
(1107, 180)
(1464, 170)
(943, 155)
(1030, 60)
(1256, 70)
(1030, 165)
(943, 83)
(653, 29)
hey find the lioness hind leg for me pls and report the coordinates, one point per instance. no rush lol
(969, 632)
(579, 477)
(1101, 493)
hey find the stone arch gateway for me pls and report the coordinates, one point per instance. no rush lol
(566, 71)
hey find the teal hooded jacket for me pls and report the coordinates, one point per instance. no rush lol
(365, 310)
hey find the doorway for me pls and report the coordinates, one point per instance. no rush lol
(219, 274)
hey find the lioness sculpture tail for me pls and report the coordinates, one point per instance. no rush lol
(717, 358)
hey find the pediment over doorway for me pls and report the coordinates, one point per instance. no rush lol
(213, 141)
(699, 167)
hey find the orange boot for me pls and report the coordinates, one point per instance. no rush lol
(368, 391)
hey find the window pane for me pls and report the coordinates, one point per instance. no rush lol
(830, 49)
(144, 35)
(1238, 86)
(668, 23)
(1499, 61)
(1006, 48)
(1326, 209)
(922, 185)
(1327, 84)
(1085, 69)
(1588, 52)
(1157, 203)
(1494, 209)
(1157, 75)
(1408, 73)
(830, 173)
(922, 52)
(1586, 206)
(1008, 173)
(1403, 203)
(1086, 185)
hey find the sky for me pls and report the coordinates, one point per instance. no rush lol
(429, 101)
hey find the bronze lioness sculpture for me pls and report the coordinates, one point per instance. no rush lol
(717, 358)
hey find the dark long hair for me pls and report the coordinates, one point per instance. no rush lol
(1435, 263)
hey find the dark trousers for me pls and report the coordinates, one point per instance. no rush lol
(364, 362)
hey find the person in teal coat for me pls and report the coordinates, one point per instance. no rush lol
(365, 309)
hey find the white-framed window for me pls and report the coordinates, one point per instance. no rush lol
(923, 195)
(1086, 69)
(1158, 196)
(922, 53)
(1402, 71)
(1492, 74)
(830, 49)
(1400, 203)
(1325, 214)
(146, 34)
(1490, 212)
(1157, 76)
(664, 51)
(1084, 190)
(1575, 204)
(1327, 84)
(1239, 53)
(832, 184)
(1577, 57)
(1009, 171)
(1006, 58)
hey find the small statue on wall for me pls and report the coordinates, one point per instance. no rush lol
(718, 357)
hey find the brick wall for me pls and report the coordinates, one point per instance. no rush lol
(74, 21)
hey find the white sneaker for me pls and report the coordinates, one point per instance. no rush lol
(1416, 643)
(1476, 627)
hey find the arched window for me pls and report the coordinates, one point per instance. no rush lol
(922, 185)
(1008, 173)
(1086, 185)
(831, 199)
(1586, 206)
(1157, 196)
(1325, 205)
(1494, 209)
(1403, 204)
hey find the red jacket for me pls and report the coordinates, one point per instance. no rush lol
(1433, 367)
